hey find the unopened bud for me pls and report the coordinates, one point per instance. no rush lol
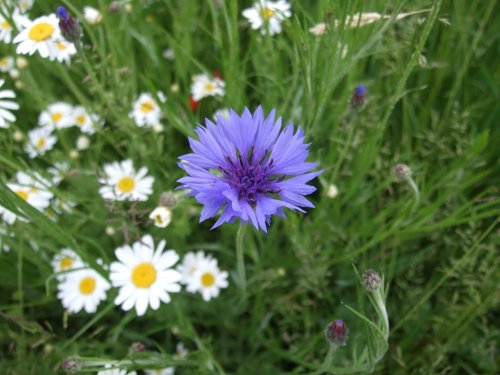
(371, 280)
(71, 364)
(358, 98)
(114, 7)
(70, 28)
(401, 172)
(168, 199)
(74, 154)
(110, 231)
(337, 333)
(18, 136)
(137, 347)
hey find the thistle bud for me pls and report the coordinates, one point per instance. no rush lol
(70, 28)
(371, 280)
(337, 333)
(71, 364)
(401, 172)
(137, 347)
(358, 98)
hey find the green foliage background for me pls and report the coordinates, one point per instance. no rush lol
(433, 96)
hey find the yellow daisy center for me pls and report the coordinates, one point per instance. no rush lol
(41, 31)
(66, 263)
(126, 184)
(158, 219)
(207, 279)
(22, 194)
(41, 142)
(266, 13)
(87, 285)
(57, 116)
(5, 25)
(147, 106)
(80, 120)
(144, 275)
(209, 87)
(61, 46)
(4, 62)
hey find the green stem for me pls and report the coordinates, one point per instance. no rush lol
(240, 260)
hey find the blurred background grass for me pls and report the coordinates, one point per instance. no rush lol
(432, 103)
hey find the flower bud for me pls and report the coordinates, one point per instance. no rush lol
(358, 98)
(137, 347)
(82, 143)
(70, 28)
(168, 199)
(71, 364)
(371, 280)
(337, 333)
(332, 191)
(110, 231)
(401, 172)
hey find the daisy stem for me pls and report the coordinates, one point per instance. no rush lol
(240, 259)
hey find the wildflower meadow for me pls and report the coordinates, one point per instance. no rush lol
(249, 187)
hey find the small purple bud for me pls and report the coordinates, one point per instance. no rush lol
(358, 98)
(137, 347)
(70, 28)
(371, 280)
(337, 333)
(401, 172)
(71, 364)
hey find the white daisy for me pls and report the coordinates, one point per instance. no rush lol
(32, 190)
(161, 216)
(114, 371)
(144, 276)
(122, 182)
(87, 122)
(39, 35)
(207, 279)
(24, 5)
(83, 289)
(203, 85)
(57, 116)
(64, 51)
(6, 64)
(169, 54)
(180, 351)
(190, 264)
(161, 371)
(92, 15)
(146, 111)
(40, 140)
(66, 260)
(267, 15)
(222, 112)
(59, 171)
(6, 105)
(5, 26)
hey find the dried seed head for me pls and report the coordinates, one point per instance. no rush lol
(337, 333)
(371, 280)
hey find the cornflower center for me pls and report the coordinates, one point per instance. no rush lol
(144, 275)
(250, 178)
(87, 285)
(207, 279)
(41, 32)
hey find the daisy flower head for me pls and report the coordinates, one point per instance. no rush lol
(180, 351)
(190, 263)
(204, 85)
(83, 289)
(6, 64)
(92, 15)
(161, 371)
(267, 15)
(114, 371)
(59, 171)
(248, 167)
(6, 106)
(58, 115)
(161, 216)
(64, 51)
(24, 5)
(40, 140)
(5, 24)
(146, 111)
(87, 122)
(122, 182)
(33, 190)
(207, 279)
(66, 260)
(144, 275)
(39, 35)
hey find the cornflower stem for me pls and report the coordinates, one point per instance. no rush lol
(240, 258)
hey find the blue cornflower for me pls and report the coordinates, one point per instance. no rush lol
(248, 167)
(70, 28)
